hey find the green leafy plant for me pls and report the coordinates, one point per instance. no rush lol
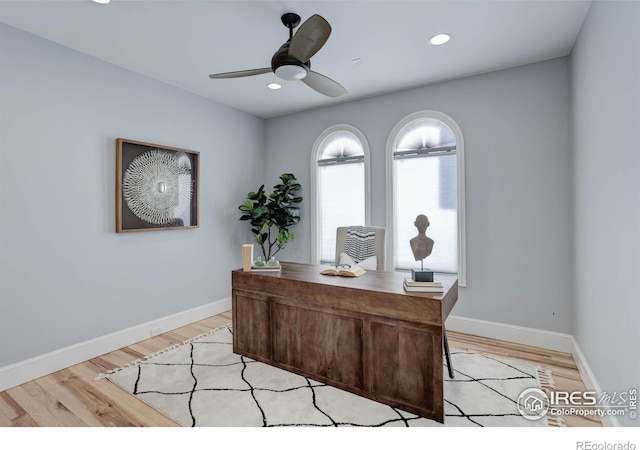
(271, 217)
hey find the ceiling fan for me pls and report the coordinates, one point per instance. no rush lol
(292, 60)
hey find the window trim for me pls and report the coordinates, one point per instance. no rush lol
(392, 141)
(315, 207)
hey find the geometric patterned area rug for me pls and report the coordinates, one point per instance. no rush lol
(202, 383)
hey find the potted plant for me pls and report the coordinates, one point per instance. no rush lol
(270, 217)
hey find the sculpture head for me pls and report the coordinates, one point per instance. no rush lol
(421, 223)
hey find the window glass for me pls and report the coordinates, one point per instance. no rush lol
(340, 183)
(428, 186)
(425, 159)
(341, 198)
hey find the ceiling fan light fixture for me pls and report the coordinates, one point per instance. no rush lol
(291, 72)
(440, 39)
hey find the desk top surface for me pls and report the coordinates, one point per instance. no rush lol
(372, 280)
(376, 292)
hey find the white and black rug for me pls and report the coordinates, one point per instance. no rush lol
(203, 383)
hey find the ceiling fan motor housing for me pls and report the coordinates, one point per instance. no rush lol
(287, 67)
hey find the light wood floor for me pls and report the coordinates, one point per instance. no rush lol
(72, 397)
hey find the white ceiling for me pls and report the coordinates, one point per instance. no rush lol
(182, 42)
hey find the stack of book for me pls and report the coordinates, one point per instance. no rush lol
(423, 286)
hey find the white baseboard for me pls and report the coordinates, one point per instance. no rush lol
(32, 368)
(590, 381)
(512, 333)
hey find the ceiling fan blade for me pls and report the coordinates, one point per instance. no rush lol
(240, 73)
(323, 84)
(309, 38)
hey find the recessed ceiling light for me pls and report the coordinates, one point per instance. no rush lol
(102, 2)
(439, 39)
(274, 86)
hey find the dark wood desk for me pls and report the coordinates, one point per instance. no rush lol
(365, 335)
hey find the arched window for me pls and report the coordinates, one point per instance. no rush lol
(425, 163)
(340, 187)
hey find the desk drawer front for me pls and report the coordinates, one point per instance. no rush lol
(403, 367)
(252, 325)
(319, 343)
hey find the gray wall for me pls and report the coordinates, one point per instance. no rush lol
(517, 132)
(606, 105)
(65, 275)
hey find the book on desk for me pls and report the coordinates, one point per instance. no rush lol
(422, 286)
(354, 271)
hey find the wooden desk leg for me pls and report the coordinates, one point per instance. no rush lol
(446, 352)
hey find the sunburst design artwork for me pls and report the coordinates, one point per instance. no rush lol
(157, 187)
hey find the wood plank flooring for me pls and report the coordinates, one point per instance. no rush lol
(73, 398)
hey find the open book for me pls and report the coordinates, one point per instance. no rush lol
(354, 271)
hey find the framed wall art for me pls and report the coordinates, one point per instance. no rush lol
(157, 187)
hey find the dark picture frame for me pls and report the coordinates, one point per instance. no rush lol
(157, 187)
